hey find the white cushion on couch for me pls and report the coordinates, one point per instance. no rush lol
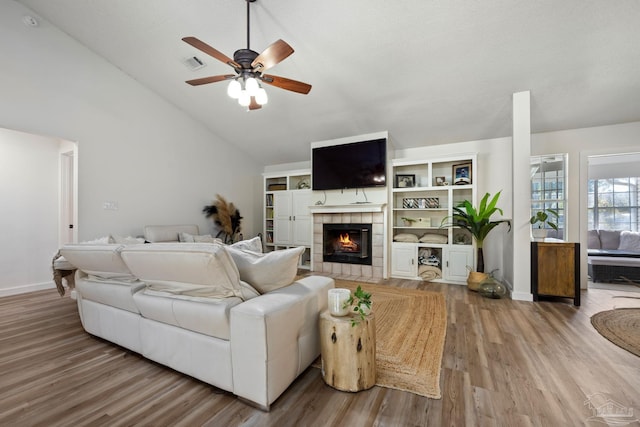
(194, 269)
(101, 262)
(269, 271)
(629, 241)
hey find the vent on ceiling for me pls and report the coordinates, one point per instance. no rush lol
(194, 63)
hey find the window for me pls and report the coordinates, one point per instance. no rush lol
(548, 189)
(613, 203)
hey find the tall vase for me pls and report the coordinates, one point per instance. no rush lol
(474, 279)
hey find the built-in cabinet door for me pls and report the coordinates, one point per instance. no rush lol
(458, 257)
(301, 217)
(403, 260)
(282, 217)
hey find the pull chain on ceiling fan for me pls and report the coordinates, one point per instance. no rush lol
(249, 67)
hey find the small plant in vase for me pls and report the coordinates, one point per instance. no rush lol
(541, 218)
(360, 301)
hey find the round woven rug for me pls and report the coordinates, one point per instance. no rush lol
(620, 326)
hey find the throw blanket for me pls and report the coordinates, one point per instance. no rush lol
(62, 268)
(429, 272)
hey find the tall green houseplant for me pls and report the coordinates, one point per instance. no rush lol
(478, 221)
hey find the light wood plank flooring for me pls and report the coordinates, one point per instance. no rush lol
(506, 363)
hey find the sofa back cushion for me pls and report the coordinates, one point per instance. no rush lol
(609, 239)
(167, 233)
(100, 262)
(629, 241)
(593, 240)
(194, 269)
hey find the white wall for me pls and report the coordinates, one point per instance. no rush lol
(29, 188)
(134, 148)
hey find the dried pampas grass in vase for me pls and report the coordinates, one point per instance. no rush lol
(226, 217)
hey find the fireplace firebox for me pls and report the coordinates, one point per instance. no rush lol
(347, 243)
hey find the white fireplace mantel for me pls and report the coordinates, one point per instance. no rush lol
(350, 208)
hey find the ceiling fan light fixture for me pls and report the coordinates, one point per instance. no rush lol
(251, 86)
(234, 89)
(244, 99)
(261, 96)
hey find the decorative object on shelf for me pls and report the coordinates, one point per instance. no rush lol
(360, 303)
(408, 222)
(461, 174)
(226, 217)
(405, 181)
(541, 218)
(461, 239)
(430, 202)
(492, 288)
(410, 203)
(304, 184)
(477, 221)
(440, 180)
(338, 298)
(277, 187)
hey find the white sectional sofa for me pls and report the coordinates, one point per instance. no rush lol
(186, 305)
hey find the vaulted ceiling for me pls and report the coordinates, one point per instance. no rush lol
(428, 71)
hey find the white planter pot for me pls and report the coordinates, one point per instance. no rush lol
(538, 234)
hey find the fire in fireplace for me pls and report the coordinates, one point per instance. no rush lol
(347, 243)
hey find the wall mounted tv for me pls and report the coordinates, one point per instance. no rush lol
(355, 165)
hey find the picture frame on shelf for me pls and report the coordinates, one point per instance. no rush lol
(440, 180)
(461, 174)
(405, 181)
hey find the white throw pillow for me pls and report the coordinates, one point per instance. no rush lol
(405, 237)
(194, 238)
(266, 272)
(433, 238)
(254, 245)
(629, 241)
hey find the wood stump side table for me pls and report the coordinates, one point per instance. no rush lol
(348, 352)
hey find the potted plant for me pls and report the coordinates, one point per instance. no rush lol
(360, 301)
(408, 221)
(541, 218)
(477, 221)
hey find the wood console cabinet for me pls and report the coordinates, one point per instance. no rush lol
(555, 270)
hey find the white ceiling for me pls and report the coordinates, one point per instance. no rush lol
(428, 71)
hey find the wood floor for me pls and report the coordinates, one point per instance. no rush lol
(506, 363)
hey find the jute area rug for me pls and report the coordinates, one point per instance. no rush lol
(620, 326)
(410, 331)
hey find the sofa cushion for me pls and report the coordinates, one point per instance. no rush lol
(629, 241)
(195, 238)
(193, 269)
(609, 239)
(208, 316)
(267, 272)
(113, 294)
(254, 245)
(593, 240)
(167, 233)
(101, 262)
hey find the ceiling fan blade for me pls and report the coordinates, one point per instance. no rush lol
(273, 54)
(254, 105)
(199, 44)
(287, 84)
(212, 79)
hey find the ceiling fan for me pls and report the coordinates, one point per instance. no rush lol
(249, 67)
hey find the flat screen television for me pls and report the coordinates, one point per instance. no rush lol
(355, 165)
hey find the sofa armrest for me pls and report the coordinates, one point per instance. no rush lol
(274, 337)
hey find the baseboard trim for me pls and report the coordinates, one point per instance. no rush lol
(23, 289)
